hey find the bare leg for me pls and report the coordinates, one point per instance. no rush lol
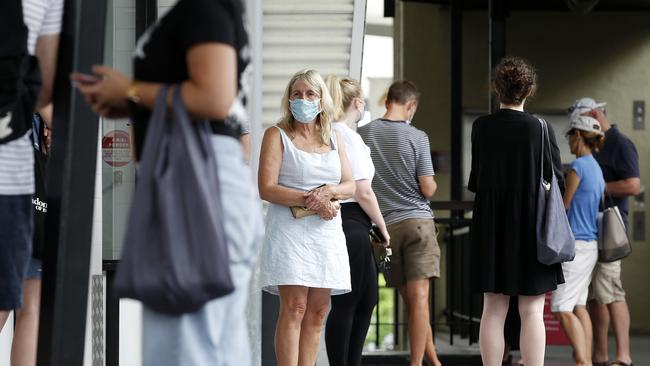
(430, 348)
(417, 292)
(533, 333)
(600, 321)
(293, 304)
(620, 316)
(318, 301)
(581, 312)
(491, 341)
(576, 333)
(23, 350)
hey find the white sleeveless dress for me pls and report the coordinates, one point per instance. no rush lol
(309, 251)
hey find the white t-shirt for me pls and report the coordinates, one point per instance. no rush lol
(42, 17)
(358, 154)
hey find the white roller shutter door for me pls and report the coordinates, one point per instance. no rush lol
(298, 34)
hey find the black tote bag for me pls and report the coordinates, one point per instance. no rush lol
(175, 255)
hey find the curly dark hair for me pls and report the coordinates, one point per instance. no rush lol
(513, 80)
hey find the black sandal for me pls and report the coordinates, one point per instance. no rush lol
(619, 363)
(604, 363)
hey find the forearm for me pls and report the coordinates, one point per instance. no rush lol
(368, 202)
(624, 188)
(47, 52)
(281, 195)
(567, 202)
(343, 190)
(199, 103)
(46, 115)
(428, 188)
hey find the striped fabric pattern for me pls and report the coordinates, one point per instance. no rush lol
(401, 154)
(42, 17)
(17, 166)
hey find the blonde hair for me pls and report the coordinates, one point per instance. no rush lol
(344, 90)
(323, 121)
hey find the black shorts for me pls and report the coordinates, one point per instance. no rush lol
(16, 231)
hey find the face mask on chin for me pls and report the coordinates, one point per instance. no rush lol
(304, 110)
(360, 115)
(410, 119)
(411, 114)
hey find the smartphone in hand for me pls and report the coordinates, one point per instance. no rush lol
(84, 79)
(376, 235)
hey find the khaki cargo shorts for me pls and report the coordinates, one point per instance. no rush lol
(606, 286)
(416, 254)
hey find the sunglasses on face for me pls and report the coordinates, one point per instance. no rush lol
(570, 133)
(572, 109)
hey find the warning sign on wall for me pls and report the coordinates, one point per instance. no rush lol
(116, 148)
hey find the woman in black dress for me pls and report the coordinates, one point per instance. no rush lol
(506, 148)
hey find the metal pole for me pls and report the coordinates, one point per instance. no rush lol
(112, 341)
(71, 184)
(456, 120)
(377, 320)
(456, 92)
(270, 311)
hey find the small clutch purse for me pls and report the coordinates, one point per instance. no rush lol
(299, 212)
(375, 235)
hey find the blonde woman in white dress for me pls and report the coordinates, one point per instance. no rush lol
(304, 260)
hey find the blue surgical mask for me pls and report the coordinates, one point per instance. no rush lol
(304, 110)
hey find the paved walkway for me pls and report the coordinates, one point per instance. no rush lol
(555, 355)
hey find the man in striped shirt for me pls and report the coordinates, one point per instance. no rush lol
(43, 19)
(403, 183)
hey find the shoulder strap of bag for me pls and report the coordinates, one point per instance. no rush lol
(541, 153)
(545, 136)
(609, 198)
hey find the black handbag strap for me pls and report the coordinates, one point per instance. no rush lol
(609, 197)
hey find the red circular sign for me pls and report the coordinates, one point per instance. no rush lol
(116, 148)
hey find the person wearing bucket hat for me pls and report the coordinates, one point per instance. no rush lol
(619, 162)
(584, 189)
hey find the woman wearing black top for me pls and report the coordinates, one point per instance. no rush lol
(506, 148)
(198, 46)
